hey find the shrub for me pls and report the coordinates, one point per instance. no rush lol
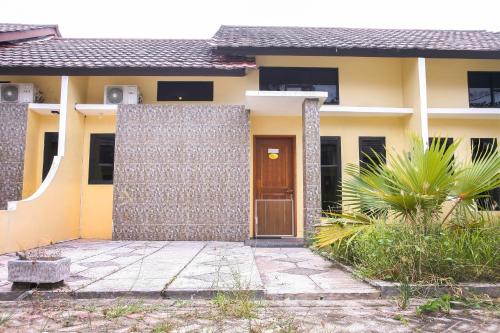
(402, 252)
(416, 218)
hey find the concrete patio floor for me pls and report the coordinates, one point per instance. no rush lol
(193, 269)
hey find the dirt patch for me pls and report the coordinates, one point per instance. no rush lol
(270, 316)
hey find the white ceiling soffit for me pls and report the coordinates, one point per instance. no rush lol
(280, 103)
(45, 109)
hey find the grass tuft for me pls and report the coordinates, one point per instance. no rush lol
(163, 327)
(125, 309)
(236, 304)
(4, 318)
(399, 251)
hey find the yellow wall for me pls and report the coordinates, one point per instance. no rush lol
(363, 81)
(412, 96)
(85, 210)
(464, 129)
(227, 90)
(97, 200)
(30, 155)
(280, 126)
(350, 129)
(50, 86)
(447, 80)
(33, 163)
(54, 214)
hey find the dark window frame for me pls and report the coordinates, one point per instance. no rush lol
(265, 73)
(50, 140)
(362, 141)
(96, 141)
(490, 75)
(483, 203)
(189, 95)
(337, 141)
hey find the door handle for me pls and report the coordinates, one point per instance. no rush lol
(289, 191)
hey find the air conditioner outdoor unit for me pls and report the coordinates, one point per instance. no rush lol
(121, 94)
(18, 92)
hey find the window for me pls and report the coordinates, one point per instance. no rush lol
(480, 146)
(101, 159)
(185, 91)
(301, 79)
(50, 145)
(369, 148)
(331, 197)
(484, 89)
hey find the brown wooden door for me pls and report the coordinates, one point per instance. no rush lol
(274, 186)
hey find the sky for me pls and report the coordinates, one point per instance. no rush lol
(201, 19)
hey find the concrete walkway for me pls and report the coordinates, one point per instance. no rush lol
(194, 269)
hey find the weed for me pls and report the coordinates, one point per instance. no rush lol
(4, 318)
(447, 302)
(120, 309)
(405, 293)
(91, 308)
(163, 327)
(238, 304)
(285, 324)
(402, 252)
(441, 304)
(69, 321)
(402, 319)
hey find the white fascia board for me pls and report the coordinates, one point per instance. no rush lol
(464, 113)
(360, 111)
(97, 109)
(321, 95)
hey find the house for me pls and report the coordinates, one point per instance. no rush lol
(243, 135)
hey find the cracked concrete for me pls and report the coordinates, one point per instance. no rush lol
(189, 269)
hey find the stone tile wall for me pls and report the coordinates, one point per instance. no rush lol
(182, 172)
(312, 164)
(13, 124)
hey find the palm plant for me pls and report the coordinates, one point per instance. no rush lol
(415, 186)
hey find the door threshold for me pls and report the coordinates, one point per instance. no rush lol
(275, 242)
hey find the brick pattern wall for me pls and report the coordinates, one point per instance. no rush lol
(312, 164)
(182, 172)
(13, 124)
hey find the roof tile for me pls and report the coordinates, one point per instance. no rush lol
(355, 38)
(104, 53)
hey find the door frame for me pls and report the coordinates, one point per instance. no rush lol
(293, 138)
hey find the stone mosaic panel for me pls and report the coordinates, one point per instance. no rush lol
(182, 172)
(312, 163)
(13, 124)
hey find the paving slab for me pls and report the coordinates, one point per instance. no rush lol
(222, 266)
(149, 273)
(298, 273)
(193, 269)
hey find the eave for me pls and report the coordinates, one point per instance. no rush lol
(356, 52)
(122, 71)
(28, 34)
